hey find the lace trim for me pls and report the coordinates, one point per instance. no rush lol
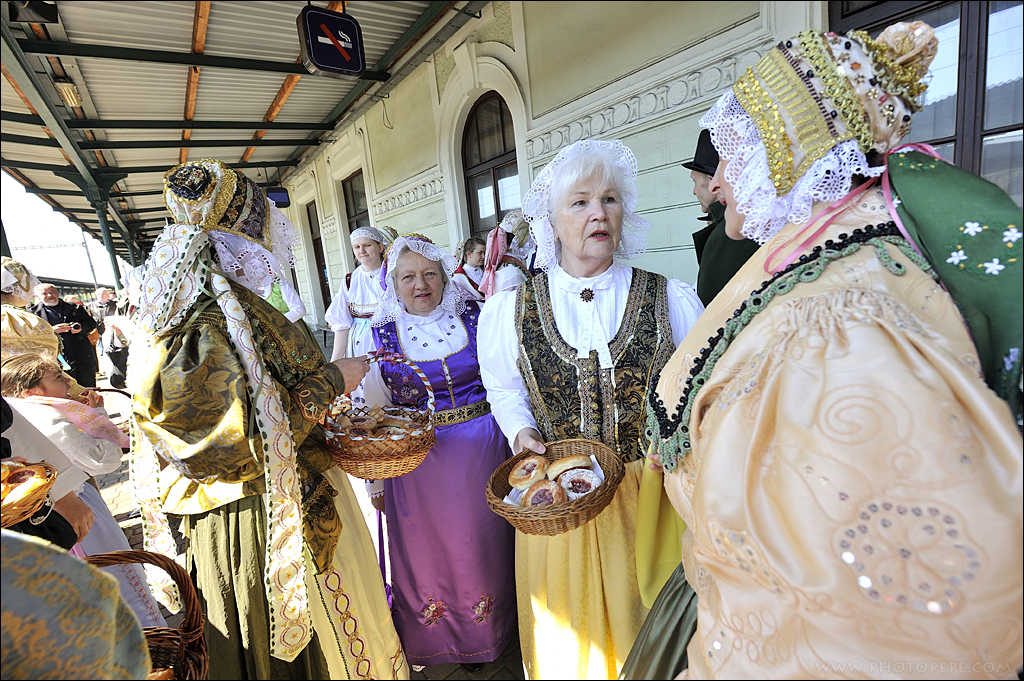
(391, 307)
(736, 138)
(674, 431)
(537, 202)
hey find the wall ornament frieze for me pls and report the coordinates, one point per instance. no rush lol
(409, 196)
(681, 91)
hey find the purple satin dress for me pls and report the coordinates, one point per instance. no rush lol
(452, 558)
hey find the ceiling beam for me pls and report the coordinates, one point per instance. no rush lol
(29, 165)
(285, 91)
(76, 192)
(199, 24)
(86, 51)
(29, 119)
(171, 144)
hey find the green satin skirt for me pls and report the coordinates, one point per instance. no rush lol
(660, 649)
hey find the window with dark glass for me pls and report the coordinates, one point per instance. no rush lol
(974, 107)
(489, 159)
(357, 209)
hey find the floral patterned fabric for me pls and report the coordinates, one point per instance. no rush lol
(64, 619)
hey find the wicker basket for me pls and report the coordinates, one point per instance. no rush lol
(13, 512)
(568, 515)
(182, 649)
(379, 458)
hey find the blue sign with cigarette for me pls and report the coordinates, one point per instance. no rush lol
(331, 43)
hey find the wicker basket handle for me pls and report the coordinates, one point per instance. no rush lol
(396, 358)
(191, 627)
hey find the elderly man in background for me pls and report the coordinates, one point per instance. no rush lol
(73, 324)
(114, 337)
(718, 256)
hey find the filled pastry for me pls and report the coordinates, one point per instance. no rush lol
(528, 471)
(578, 482)
(568, 463)
(543, 493)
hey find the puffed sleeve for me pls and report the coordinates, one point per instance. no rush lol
(683, 309)
(498, 351)
(337, 314)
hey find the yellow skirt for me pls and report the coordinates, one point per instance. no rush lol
(354, 609)
(579, 603)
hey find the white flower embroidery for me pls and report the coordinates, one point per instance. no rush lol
(972, 228)
(1011, 235)
(896, 201)
(994, 267)
(956, 257)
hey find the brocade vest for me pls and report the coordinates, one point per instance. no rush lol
(573, 397)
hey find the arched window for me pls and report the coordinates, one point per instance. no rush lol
(489, 157)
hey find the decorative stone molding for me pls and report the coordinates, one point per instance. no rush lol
(671, 94)
(329, 226)
(427, 189)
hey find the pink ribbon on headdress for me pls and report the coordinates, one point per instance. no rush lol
(840, 204)
(87, 419)
(497, 246)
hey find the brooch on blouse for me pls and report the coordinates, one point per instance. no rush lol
(587, 295)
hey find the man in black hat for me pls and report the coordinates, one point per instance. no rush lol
(718, 256)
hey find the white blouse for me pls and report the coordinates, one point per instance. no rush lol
(584, 326)
(423, 339)
(475, 273)
(364, 294)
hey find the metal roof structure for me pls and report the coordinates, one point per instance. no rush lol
(99, 104)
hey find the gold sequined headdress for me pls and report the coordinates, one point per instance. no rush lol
(815, 91)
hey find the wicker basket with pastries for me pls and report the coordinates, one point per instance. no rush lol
(376, 443)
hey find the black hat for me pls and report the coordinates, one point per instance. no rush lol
(705, 159)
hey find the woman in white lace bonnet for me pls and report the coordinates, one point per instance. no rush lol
(845, 474)
(451, 557)
(350, 312)
(615, 326)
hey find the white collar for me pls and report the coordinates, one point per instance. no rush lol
(419, 320)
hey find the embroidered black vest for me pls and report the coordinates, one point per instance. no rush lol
(573, 397)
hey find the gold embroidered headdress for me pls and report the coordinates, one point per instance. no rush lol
(810, 97)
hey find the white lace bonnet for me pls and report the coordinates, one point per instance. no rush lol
(537, 203)
(391, 307)
(372, 233)
(861, 93)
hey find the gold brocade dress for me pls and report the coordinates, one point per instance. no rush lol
(191, 401)
(21, 332)
(579, 601)
(853, 494)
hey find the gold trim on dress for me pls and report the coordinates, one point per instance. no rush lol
(450, 417)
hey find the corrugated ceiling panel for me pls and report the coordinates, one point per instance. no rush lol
(163, 25)
(10, 100)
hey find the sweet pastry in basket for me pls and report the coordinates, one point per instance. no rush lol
(367, 422)
(528, 471)
(543, 493)
(578, 482)
(22, 482)
(568, 463)
(357, 432)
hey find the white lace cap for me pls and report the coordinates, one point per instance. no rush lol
(537, 202)
(391, 307)
(369, 233)
(736, 139)
(248, 263)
